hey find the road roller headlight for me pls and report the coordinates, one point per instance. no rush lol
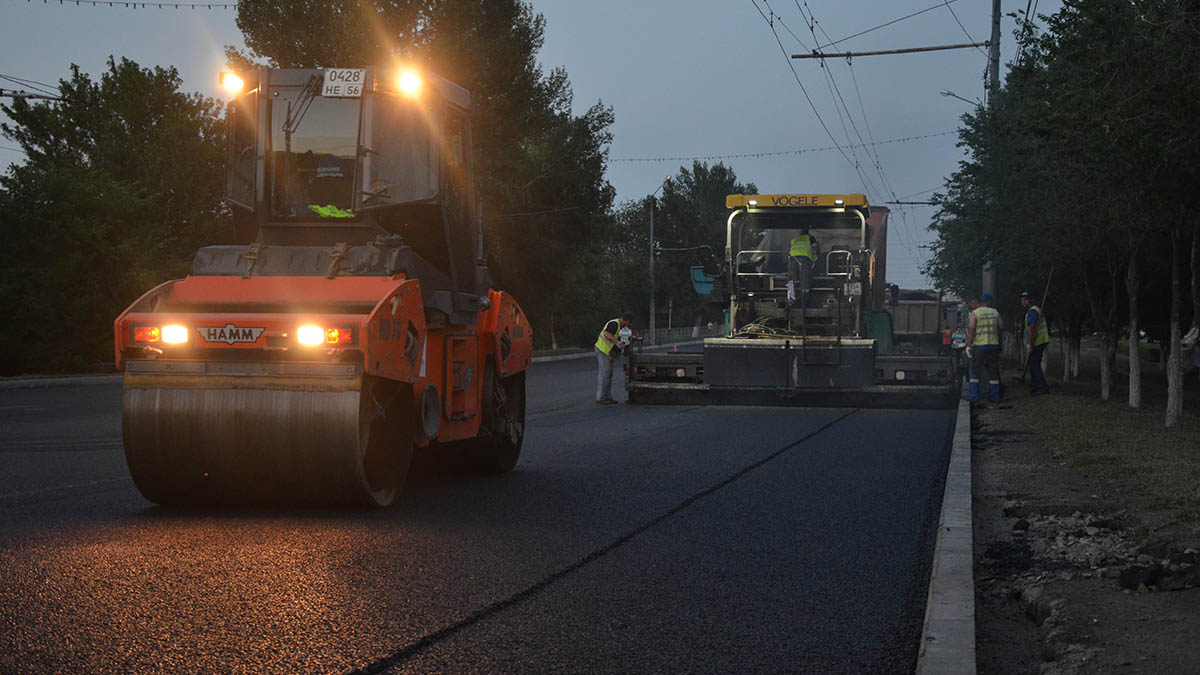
(310, 335)
(408, 82)
(232, 82)
(174, 334)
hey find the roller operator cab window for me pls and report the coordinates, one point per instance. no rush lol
(314, 150)
(403, 164)
(239, 178)
(317, 170)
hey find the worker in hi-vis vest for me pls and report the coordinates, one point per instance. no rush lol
(614, 337)
(802, 255)
(1037, 336)
(983, 348)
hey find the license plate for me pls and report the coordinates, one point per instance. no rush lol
(344, 82)
(852, 288)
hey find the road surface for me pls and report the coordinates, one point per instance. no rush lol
(628, 539)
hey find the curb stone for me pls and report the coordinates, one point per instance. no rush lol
(948, 635)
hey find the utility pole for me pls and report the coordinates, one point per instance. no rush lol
(989, 271)
(994, 53)
(651, 202)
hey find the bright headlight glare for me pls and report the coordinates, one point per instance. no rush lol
(232, 83)
(174, 334)
(310, 335)
(408, 82)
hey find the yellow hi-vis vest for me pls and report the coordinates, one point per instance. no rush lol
(603, 344)
(1043, 334)
(987, 327)
(802, 248)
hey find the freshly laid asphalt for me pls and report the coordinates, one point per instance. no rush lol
(628, 539)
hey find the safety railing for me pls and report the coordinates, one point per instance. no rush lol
(680, 333)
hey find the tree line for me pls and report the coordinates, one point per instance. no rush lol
(123, 176)
(1085, 164)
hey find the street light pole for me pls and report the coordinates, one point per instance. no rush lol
(650, 204)
(947, 92)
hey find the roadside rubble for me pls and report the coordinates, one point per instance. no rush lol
(1068, 577)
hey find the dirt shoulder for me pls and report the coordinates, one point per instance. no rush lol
(1086, 537)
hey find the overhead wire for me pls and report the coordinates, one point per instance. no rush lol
(40, 87)
(803, 90)
(917, 194)
(873, 150)
(773, 153)
(882, 25)
(872, 153)
(836, 95)
(946, 4)
(143, 5)
(853, 163)
(1025, 28)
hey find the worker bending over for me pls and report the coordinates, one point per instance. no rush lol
(608, 350)
(983, 345)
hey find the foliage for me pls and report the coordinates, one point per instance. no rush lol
(691, 212)
(1085, 160)
(121, 185)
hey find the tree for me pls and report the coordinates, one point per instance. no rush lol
(1086, 161)
(121, 184)
(691, 212)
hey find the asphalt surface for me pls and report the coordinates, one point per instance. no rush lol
(628, 539)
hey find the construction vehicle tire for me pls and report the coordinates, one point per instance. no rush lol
(199, 441)
(502, 429)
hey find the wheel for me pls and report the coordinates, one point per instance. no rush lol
(385, 444)
(502, 429)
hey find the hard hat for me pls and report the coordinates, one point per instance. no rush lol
(986, 297)
(1026, 294)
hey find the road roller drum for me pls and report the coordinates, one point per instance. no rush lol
(253, 434)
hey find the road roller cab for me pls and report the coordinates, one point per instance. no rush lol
(353, 321)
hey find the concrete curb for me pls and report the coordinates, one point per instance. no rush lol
(948, 636)
(34, 382)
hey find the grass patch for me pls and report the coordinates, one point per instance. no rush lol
(1129, 447)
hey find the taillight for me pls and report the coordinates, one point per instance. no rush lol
(339, 336)
(146, 333)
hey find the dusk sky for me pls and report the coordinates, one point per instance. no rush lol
(701, 79)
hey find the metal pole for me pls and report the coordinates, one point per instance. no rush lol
(989, 271)
(651, 341)
(886, 52)
(994, 52)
